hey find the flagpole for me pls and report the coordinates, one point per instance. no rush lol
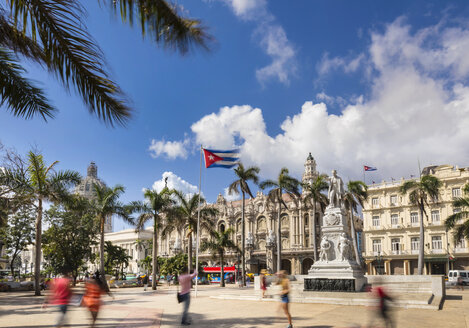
(364, 174)
(198, 226)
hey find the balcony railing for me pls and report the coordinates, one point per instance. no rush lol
(397, 252)
(415, 224)
(461, 250)
(437, 251)
(414, 251)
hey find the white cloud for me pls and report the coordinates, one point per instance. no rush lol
(417, 108)
(329, 100)
(348, 65)
(170, 149)
(243, 8)
(272, 38)
(231, 197)
(175, 182)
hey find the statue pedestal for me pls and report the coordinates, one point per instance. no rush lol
(336, 269)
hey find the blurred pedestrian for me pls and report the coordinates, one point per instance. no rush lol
(185, 281)
(145, 282)
(460, 283)
(60, 295)
(92, 299)
(284, 299)
(382, 310)
(263, 281)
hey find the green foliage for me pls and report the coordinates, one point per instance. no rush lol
(54, 35)
(146, 263)
(244, 175)
(18, 234)
(67, 242)
(174, 265)
(116, 259)
(455, 220)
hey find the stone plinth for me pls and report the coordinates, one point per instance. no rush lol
(336, 269)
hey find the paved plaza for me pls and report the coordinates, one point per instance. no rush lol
(131, 307)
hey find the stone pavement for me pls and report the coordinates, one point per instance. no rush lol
(134, 308)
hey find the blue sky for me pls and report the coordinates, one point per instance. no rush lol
(382, 83)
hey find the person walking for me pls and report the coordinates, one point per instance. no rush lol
(284, 299)
(185, 281)
(460, 283)
(92, 299)
(263, 282)
(60, 295)
(145, 282)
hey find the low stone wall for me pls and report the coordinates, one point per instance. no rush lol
(409, 291)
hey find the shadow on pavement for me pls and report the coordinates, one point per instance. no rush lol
(453, 297)
(201, 320)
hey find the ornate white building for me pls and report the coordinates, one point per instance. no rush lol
(391, 227)
(261, 226)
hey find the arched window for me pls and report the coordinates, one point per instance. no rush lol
(222, 227)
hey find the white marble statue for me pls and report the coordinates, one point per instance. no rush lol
(325, 246)
(271, 238)
(336, 190)
(344, 247)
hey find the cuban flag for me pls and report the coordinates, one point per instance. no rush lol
(221, 158)
(369, 168)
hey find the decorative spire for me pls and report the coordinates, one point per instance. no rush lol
(92, 170)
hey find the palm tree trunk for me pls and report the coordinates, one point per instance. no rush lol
(354, 239)
(37, 263)
(243, 241)
(315, 246)
(222, 278)
(422, 242)
(189, 255)
(155, 258)
(101, 250)
(279, 237)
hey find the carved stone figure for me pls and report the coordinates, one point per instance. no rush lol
(331, 219)
(336, 190)
(344, 247)
(325, 246)
(249, 239)
(271, 238)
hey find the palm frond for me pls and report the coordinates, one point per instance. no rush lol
(72, 55)
(164, 24)
(268, 184)
(20, 95)
(14, 40)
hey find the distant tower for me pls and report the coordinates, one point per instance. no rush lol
(310, 170)
(86, 188)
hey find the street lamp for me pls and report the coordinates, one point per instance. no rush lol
(379, 260)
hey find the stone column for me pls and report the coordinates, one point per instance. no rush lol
(387, 267)
(302, 228)
(406, 267)
(271, 259)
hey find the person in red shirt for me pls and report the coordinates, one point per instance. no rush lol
(60, 295)
(92, 298)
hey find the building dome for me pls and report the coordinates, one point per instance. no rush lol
(86, 186)
(86, 189)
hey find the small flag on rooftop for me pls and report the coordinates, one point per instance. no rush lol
(369, 168)
(221, 158)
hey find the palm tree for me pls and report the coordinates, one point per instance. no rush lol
(356, 194)
(420, 194)
(187, 213)
(157, 204)
(284, 183)
(243, 175)
(42, 183)
(53, 34)
(218, 244)
(462, 231)
(105, 205)
(314, 196)
(146, 263)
